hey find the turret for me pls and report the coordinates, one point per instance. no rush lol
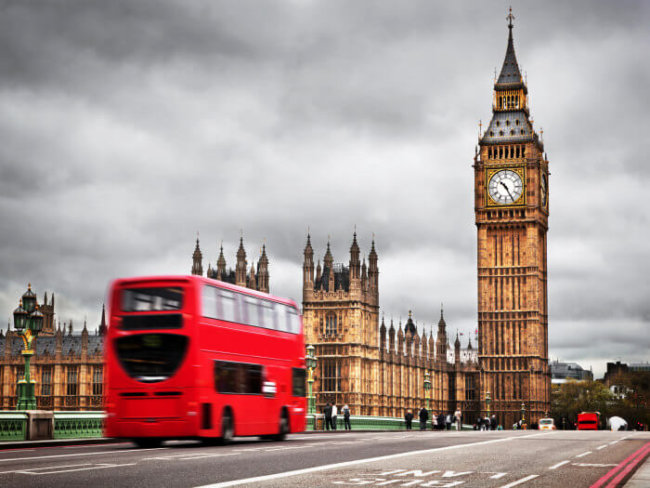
(252, 281)
(457, 349)
(263, 272)
(382, 335)
(308, 266)
(391, 337)
(373, 270)
(441, 342)
(355, 263)
(197, 260)
(240, 269)
(102, 325)
(221, 264)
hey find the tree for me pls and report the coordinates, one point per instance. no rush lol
(573, 397)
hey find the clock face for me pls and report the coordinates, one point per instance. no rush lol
(505, 187)
(544, 190)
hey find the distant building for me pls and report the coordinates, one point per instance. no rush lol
(255, 278)
(614, 376)
(68, 368)
(562, 372)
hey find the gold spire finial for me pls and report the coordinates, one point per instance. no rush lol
(510, 17)
(29, 286)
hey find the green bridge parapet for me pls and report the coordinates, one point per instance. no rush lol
(67, 425)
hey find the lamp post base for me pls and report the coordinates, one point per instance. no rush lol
(26, 396)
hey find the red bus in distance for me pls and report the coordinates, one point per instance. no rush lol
(191, 357)
(588, 421)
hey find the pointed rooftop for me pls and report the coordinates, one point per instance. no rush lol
(510, 74)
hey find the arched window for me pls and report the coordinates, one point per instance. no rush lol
(330, 324)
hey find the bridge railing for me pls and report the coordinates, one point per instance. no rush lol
(19, 425)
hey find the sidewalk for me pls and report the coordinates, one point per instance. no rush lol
(641, 478)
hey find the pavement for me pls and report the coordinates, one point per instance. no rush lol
(640, 479)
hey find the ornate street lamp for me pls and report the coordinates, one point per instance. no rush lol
(427, 388)
(312, 362)
(28, 321)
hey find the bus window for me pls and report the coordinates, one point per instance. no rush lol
(228, 305)
(294, 321)
(209, 304)
(240, 378)
(251, 305)
(282, 319)
(151, 299)
(151, 357)
(298, 383)
(268, 317)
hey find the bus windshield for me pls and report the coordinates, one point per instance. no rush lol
(151, 299)
(150, 358)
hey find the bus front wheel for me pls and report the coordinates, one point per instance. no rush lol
(283, 428)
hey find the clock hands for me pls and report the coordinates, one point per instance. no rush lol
(508, 190)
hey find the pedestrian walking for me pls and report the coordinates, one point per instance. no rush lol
(334, 414)
(448, 421)
(458, 416)
(434, 421)
(328, 416)
(424, 416)
(346, 416)
(408, 418)
(441, 421)
(493, 422)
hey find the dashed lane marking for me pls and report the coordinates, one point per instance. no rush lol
(521, 481)
(561, 463)
(583, 454)
(102, 453)
(601, 447)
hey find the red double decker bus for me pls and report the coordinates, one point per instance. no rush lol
(191, 357)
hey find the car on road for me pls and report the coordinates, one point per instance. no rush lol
(547, 424)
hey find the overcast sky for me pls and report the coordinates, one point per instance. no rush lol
(127, 126)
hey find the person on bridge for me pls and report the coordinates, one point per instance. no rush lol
(448, 421)
(441, 421)
(328, 416)
(408, 418)
(346, 416)
(458, 416)
(434, 421)
(424, 416)
(493, 422)
(334, 415)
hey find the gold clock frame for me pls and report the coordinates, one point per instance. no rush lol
(490, 172)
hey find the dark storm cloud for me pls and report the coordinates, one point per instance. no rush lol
(126, 127)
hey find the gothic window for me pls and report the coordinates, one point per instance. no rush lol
(46, 381)
(331, 375)
(72, 387)
(470, 391)
(330, 324)
(98, 380)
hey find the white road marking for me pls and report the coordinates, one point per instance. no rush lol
(102, 453)
(562, 463)
(601, 447)
(583, 454)
(521, 481)
(498, 475)
(345, 464)
(590, 465)
(612, 443)
(57, 471)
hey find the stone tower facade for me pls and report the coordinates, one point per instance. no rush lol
(511, 210)
(374, 369)
(256, 278)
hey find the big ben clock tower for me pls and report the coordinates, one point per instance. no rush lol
(511, 208)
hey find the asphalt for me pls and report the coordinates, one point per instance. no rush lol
(482, 459)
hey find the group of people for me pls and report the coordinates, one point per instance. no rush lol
(487, 423)
(438, 422)
(331, 413)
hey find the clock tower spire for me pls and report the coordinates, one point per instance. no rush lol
(511, 211)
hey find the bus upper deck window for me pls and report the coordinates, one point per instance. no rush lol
(151, 299)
